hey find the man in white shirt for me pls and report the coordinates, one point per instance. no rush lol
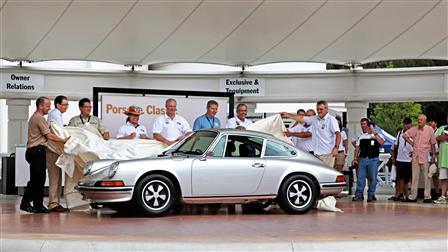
(170, 127)
(239, 121)
(301, 134)
(54, 171)
(326, 133)
(402, 156)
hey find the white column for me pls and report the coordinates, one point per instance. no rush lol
(17, 122)
(355, 111)
(251, 112)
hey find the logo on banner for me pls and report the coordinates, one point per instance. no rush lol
(151, 109)
(21, 82)
(243, 86)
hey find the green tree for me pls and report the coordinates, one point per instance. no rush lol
(389, 116)
(395, 64)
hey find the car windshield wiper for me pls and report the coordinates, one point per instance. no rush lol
(195, 152)
(188, 152)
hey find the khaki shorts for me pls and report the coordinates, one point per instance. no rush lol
(443, 173)
(340, 158)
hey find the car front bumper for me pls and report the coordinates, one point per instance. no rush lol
(105, 194)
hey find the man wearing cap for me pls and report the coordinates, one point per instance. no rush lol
(209, 119)
(132, 129)
(239, 121)
(86, 119)
(170, 127)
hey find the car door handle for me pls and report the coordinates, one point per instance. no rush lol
(258, 165)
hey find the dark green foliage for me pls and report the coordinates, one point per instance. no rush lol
(389, 116)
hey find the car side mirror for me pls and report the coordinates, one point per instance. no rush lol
(205, 155)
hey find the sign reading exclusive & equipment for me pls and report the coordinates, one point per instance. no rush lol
(21, 82)
(243, 86)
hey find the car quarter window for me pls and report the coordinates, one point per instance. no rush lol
(218, 150)
(243, 146)
(274, 149)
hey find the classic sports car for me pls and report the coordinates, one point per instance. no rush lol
(213, 166)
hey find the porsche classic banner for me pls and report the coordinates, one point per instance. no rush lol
(113, 107)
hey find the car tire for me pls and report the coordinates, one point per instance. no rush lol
(297, 194)
(155, 195)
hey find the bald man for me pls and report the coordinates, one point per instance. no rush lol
(423, 140)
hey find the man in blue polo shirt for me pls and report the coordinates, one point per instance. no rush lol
(209, 119)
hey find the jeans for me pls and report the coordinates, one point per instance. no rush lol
(367, 167)
(34, 191)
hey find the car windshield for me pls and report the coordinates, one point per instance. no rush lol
(196, 144)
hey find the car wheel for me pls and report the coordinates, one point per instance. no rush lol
(297, 194)
(155, 195)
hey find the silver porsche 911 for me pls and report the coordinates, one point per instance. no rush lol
(213, 166)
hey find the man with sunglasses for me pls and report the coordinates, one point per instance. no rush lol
(239, 121)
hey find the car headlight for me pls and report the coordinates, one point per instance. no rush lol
(113, 169)
(88, 168)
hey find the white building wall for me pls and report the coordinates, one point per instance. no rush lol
(423, 84)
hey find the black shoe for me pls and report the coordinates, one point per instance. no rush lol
(427, 201)
(357, 198)
(410, 200)
(41, 210)
(371, 198)
(399, 198)
(27, 208)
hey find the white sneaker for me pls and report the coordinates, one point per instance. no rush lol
(440, 200)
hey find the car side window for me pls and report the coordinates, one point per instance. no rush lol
(218, 150)
(243, 146)
(274, 149)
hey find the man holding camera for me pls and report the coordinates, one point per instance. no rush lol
(367, 151)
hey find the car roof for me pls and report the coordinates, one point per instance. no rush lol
(244, 132)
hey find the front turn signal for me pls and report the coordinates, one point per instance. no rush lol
(113, 183)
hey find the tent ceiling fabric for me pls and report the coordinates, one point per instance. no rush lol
(223, 32)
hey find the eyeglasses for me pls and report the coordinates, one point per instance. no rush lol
(244, 111)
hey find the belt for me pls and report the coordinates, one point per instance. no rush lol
(38, 147)
(340, 151)
(368, 157)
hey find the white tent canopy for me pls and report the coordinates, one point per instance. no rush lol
(223, 32)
